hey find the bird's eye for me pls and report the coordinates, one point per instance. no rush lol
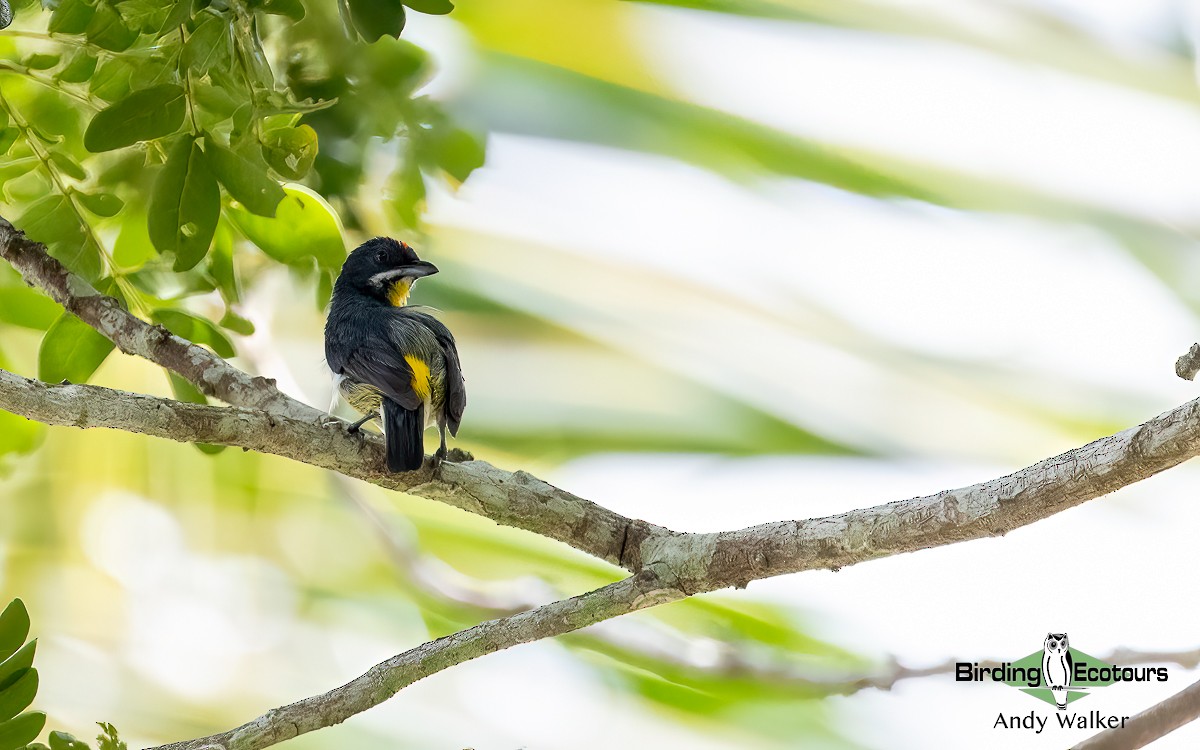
(381, 256)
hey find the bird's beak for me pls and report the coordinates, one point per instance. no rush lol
(419, 269)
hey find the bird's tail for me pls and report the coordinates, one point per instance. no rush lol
(402, 431)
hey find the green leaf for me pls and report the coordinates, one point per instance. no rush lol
(185, 205)
(248, 184)
(209, 46)
(304, 227)
(108, 30)
(133, 246)
(407, 192)
(18, 435)
(101, 204)
(79, 67)
(324, 288)
(42, 61)
(184, 390)
(220, 264)
(17, 697)
(14, 629)
(71, 17)
(195, 329)
(397, 65)
(142, 115)
(180, 13)
(52, 222)
(81, 257)
(377, 18)
(109, 739)
(237, 323)
(217, 103)
(46, 220)
(155, 70)
(458, 153)
(18, 732)
(290, 151)
(53, 118)
(71, 350)
(67, 165)
(111, 80)
(65, 741)
(12, 667)
(432, 7)
(28, 308)
(146, 16)
(8, 136)
(293, 9)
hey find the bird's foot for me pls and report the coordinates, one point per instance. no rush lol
(458, 456)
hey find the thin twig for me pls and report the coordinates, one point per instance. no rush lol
(1153, 723)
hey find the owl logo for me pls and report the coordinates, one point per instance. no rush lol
(1057, 667)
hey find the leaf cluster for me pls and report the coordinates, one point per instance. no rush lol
(18, 687)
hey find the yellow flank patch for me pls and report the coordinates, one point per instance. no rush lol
(398, 294)
(420, 375)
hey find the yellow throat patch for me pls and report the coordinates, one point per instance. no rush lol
(420, 375)
(398, 294)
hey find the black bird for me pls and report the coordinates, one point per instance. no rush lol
(391, 362)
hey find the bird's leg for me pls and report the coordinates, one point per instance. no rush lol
(329, 420)
(357, 426)
(440, 454)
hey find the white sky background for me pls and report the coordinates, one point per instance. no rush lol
(1061, 303)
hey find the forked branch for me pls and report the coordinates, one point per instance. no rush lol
(665, 565)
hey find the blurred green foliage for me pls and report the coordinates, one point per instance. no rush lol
(179, 154)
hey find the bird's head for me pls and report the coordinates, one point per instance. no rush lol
(384, 268)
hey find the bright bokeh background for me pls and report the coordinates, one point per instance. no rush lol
(720, 268)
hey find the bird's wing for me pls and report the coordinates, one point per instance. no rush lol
(456, 388)
(382, 366)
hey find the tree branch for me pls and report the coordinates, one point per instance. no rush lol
(666, 565)
(1155, 722)
(666, 645)
(676, 564)
(384, 680)
(514, 499)
(208, 372)
(699, 562)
